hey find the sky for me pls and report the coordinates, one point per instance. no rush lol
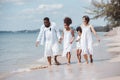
(28, 14)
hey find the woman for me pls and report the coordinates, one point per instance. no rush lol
(86, 38)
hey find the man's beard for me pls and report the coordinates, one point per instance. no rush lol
(47, 26)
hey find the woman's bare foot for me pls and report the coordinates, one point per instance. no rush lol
(68, 63)
(79, 62)
(91, 60)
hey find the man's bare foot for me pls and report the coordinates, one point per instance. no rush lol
(79, 62)
(84, 63)
(68, 62)
(49, 64)
(57, 63)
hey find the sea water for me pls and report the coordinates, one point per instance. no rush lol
(18, 51)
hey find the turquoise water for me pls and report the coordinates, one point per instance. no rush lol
(17, 50)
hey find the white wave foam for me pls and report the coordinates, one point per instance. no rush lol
(34, 67)
(96, 44)
(22, 70)
(43, 59)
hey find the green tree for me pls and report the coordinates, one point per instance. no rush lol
(109, 10)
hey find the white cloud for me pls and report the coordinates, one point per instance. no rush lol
(50, 7)
(43, 8)
(37, 20)
(91, 1)
(17, 2)
(55, 12)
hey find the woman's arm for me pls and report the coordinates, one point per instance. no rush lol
(94, 32)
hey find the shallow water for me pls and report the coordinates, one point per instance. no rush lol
(18, 52)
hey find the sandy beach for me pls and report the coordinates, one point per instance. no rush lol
(105, 67)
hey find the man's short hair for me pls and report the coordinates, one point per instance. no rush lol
(46, 18)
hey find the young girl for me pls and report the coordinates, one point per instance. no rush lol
(86, 39)
(78, 44)
(68, 36)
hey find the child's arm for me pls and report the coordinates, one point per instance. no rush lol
(94, 32)
(61, 38)
(73, 36)
(77, 39)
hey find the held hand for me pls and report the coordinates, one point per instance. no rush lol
(71, 41)
(60, 40)
(37, 43)
(77, 40)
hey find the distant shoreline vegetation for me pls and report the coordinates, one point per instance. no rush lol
(21, 31)
(97, 28)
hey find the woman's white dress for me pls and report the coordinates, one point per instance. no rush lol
(66, 44)
(86, 40)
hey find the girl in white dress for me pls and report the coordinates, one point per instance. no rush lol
(78, 43)
(68, 36)
(86, 39)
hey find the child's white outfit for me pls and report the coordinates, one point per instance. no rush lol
(86, 40)
(66, 44)
(49, 36)
(78, 43)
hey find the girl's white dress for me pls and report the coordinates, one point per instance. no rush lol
(78, 45)
(66, 44)
(86, 40)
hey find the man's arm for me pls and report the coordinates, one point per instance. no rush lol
(40, 35)
(57, 31)
(62, 37)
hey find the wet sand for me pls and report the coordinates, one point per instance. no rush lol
(105, 67)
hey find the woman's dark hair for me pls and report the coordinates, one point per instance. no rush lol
(86, 18)
(68, 21)
(79, 29)
(46, 18)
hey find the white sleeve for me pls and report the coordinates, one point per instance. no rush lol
(57, 31)
(40, 33)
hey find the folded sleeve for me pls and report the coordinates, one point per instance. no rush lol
(57, 31)
(40, 33)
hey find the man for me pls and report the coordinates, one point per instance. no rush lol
(49, 35)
